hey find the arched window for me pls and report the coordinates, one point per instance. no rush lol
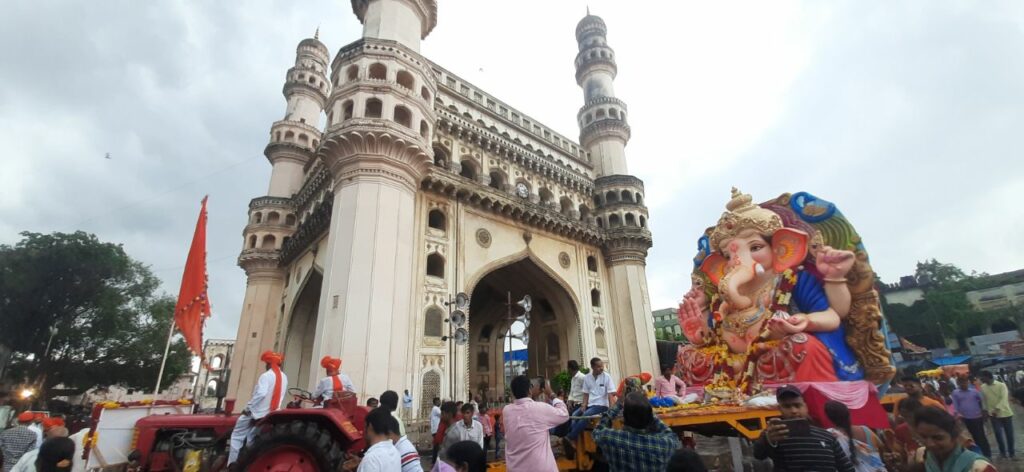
(440, 157)
(599, 340)
(600, 222)
(643, 221)
(595, 297)
(425, 93)
(435, 265)
(598, 201)
(289, 220)
(613, 113)
(584, 212)
(374, 108)
(269, 242)
(627, 196)
(497, 180)
(589, 118)
(257, 217)
(216, 362)
(437, 220)
(600, 113)
(545, 195)
(252, 242)
(630, 219)
(273, 218)
(403, 116)
(611, 197)
(378, 71)
(346, 110)
(405, 79)
(592, 263)
(565, 206)
(303, 139)
(431, 390)
(614, 221)
(289, 136)
(468, 169)
(312, 80)
(485, 333)
(433, 322)
(424, 129)
(352, 72)
(639, 199)
(483, 361)
(211, 388)
(554, 352)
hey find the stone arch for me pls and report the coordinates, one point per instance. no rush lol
(424, 129)
(374, 108)
(433, 322)
(290, 219)
(643, 221)
(378, 71)
(300, 331)
(639, 199)
(584, 211)
(627, 196)
(436, 219)
(430, 388)
(595, 298)
(555, 311)
(273, 218)
(614, 220)
(403, 116)
(435, 265)
(352, 72)
(252, 242)
(425, 93)
(611, 197)
(269, 242)
(346, 109)
(440, 156)
(630, 219)
(565, 205)
(498, 179)
(546, 197)
(592, 263)
(469, 168)
(600, 341)
(405, 79)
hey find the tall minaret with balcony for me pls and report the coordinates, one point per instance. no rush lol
(377, 148)
(619, 196)
(272, 219)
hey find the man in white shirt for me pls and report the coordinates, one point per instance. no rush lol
(407, 405)
(267, 396)
(334, 382)
(382, 456)
(435, 423)
(37, 428)
(598, 390)
(466, 430)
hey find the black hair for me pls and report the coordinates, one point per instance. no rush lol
(939, 418)
(686, 460)
(372, 401)
(520, 386)
(469, 453)
(839, 415)
(467, 407)
(573, 365)
(594, 361)
(56, 454)
(637, 412)
(380, 419)
(449, 407)
(910, 405)
(436, 400)
(389, 400)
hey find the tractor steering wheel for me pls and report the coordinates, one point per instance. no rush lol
(300, 395)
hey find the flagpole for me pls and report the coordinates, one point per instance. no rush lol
(163, 362)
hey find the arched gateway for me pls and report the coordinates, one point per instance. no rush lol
(554, 330)
(419, 186)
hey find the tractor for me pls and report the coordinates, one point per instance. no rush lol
(300, 437)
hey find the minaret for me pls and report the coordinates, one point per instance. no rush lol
(620, 211)
(272, 219)
(377, 149)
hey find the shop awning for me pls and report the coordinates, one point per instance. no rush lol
(950, 360)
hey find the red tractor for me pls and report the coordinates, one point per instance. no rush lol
(300, 437)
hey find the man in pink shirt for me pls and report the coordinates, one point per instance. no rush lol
(526, 423)
(669, 384)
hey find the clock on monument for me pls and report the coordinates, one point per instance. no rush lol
(522, 190)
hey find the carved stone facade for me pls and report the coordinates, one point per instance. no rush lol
(421, 186)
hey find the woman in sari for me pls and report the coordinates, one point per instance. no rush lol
(942, 451)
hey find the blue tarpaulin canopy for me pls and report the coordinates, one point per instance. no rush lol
(951, 360)
(517, 355)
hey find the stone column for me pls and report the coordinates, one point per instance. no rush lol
(630, 314)
(366, 306)
(257, 327)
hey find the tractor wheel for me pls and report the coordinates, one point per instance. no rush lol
(294, 446)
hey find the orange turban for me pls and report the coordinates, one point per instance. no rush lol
(26, 417)
(271, 357)
(330, 363)
(52, 422)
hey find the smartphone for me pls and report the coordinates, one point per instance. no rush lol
(800, 427)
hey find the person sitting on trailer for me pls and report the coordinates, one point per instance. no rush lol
(334, 382)
(267, 396)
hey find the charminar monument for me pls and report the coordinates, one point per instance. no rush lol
(396, 184)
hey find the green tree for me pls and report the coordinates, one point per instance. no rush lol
(108, 324)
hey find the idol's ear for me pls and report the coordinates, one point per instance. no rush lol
(714, 267)
(789, 247)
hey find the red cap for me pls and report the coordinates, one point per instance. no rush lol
(26, 417)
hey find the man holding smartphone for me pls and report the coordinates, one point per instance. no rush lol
(794, 444)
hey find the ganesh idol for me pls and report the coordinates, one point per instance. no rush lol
(782, 292)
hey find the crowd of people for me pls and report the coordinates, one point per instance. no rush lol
(34, 442)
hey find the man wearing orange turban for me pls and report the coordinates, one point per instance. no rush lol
(334, 382)
(267, 396)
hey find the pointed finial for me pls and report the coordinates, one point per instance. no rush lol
(588, 10)
(316, 35)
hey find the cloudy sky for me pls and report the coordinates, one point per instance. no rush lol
(908, 115)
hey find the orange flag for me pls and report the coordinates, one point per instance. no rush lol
(193, 305)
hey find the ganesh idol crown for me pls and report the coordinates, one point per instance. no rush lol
(782, 291)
